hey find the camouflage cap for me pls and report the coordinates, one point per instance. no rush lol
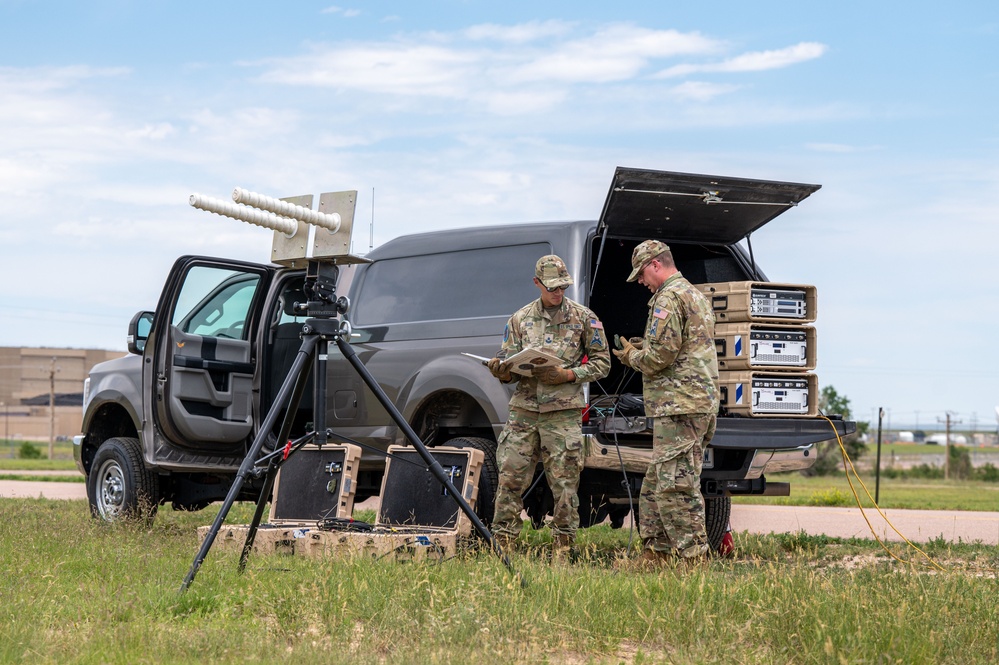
(644, 253)
(551, 271)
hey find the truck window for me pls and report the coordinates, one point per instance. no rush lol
(495, 281)
(215, 302)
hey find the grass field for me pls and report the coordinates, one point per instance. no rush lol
(76, 591)
(918, 494)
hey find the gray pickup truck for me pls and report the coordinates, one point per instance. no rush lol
(172, 421)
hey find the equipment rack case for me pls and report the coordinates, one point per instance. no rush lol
(765, 347)
(768, 302)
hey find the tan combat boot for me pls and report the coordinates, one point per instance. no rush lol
(563, 548)
(505, 543)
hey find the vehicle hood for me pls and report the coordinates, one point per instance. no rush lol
(693, 208)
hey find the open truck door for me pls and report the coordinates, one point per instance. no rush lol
(204, 362)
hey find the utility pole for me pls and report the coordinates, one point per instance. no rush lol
(52, 371)
(948, 422)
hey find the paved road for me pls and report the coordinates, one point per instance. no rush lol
(919, 526)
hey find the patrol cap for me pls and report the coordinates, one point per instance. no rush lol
(551, 271)
(644, 253)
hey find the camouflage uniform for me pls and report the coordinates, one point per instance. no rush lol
(679, 369)
(545, 420)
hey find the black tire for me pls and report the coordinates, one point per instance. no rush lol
(717, 511)
(119, 486)
(488, 475)
(539, 502)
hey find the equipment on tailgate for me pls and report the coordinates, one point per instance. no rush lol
(747, 345)
(761, 301)
(760, 394)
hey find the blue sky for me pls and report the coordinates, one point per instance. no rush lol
(468, 113)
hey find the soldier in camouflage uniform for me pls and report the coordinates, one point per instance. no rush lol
(545, 422)
(679, 369)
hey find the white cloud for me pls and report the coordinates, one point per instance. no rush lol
(701, 91)
(517, 34)
(754, 61)
(346, 13)
(479, 66)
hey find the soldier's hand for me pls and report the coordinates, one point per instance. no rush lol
(553, 376)
(637, 342)
(624, 353)
(499, 369)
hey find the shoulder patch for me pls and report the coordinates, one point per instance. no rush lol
(660, 313)
(596, 325)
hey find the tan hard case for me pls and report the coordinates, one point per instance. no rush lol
(733, 302)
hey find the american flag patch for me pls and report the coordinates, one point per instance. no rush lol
(596, 325)
(660, 313)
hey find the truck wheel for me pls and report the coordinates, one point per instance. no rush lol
(717, 510)
(488, 475)
(119, 486)
(539, 502)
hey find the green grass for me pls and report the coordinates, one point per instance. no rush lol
(906, 449)
(919, 494)
(43, 479)
(76, 591)
(62, 455)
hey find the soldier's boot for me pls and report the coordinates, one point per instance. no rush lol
(505, 543)
(563, 548)
(649, 560)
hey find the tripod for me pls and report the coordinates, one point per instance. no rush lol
(317, 332)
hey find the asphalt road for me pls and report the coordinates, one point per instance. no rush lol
(918, 526)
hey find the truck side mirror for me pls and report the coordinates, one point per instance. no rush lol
(138, 332)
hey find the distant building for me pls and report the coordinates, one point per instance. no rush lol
(30, 377)
(941, 439)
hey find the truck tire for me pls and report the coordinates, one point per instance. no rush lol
(488, 475)
(717, 510)
(119, 486)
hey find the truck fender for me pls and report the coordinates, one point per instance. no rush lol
(458, 373)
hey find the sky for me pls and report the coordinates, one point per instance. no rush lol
(456, 113)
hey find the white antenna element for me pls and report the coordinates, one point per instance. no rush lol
(330, 222)
(245, 214)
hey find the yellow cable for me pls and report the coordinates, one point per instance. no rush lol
(847, 466)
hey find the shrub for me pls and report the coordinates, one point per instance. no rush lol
(832, 497)
(29, 450)
(960, 463)
(987, 472)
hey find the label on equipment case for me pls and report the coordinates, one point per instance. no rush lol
(789, 303)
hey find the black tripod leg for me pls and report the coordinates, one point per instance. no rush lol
(258, 514)
(272, 467)
(432, 463)
(302, 363)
